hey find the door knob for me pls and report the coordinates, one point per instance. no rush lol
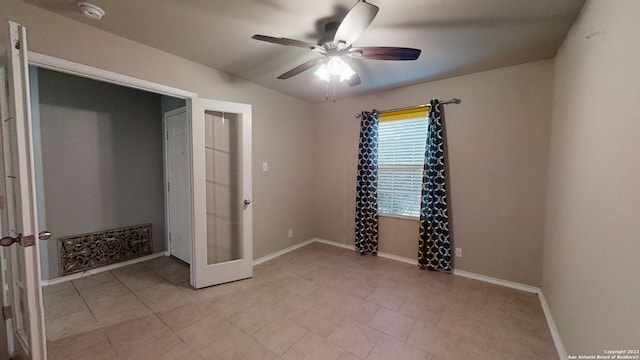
(247, 201)
(9, 240)
(44, 235)
(25, 241)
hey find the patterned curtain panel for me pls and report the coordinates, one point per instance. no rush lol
(367, 186)
(434, 247)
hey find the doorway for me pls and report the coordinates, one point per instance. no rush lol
(98, 151)
(202, 274)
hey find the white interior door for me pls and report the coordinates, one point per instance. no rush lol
(20, 201)
(178, 176)
(223, 247)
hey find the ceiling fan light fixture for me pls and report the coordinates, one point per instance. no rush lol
(323, 73)
(334, 67)
(346, 73)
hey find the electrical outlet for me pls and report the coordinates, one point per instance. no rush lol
(459, 252)
(290, 233)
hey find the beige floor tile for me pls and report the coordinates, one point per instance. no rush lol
(137, 277)
(164, 296)
(464, 325)
(313, 347)
(420, 310)
(201, 333)
(302, 287)
(391, 348)
(117, 307)
(262, 354)
(291, 307)
(321, 320)
(355, 337)
(85, 343)
(181, 317)
(254, 318)
(136, 329)
(143, 338)
(181, 352)
(232, 345)
(388, 298)
(52, 289)
(233, 304)
(348, 356)
(62, 303)
(109, 286)
(433, 340)
(169, 268)
(279, 335)
(96, 281)
(392, 323)
(318, 302)
(157, 264)
(73, 324)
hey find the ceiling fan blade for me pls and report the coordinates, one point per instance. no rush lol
(354, 23)
(385, 53)
(300, 68)
(284, 41)
(354, 80)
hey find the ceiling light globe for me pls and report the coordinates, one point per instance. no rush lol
(322, 72)
(335, 65)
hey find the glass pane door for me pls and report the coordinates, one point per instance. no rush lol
(21, 222)
(223, 188)
(221, 192)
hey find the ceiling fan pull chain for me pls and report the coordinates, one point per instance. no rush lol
(326, 97)
(334, 89)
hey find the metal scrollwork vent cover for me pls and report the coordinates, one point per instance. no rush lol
(87, 251)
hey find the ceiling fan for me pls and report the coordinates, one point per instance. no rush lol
(338, 43)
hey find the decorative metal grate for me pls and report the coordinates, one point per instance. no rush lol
(91, 250)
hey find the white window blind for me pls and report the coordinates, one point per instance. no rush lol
(401, 145)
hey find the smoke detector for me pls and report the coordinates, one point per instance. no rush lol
(91, 11)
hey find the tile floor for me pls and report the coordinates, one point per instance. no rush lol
(318, 302)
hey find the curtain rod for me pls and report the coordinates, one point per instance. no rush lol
(452, 101)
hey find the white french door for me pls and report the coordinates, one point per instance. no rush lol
(221, 171)
(19, 221)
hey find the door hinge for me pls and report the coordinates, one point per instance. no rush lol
(1, 202)
(17, 45)
(168, 186)
(7, 313)
(167, 134)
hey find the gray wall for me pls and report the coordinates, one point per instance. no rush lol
(497, 142)
(282, 126)
(102, 158)
(591, 272)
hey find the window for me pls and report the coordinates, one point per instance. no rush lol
(401, 143)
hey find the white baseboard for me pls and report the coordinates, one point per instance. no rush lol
(555, 334)
(281, 252)
(98, 270)
(496, 281)
(380, 254)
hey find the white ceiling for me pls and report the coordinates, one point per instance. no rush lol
(456, 36)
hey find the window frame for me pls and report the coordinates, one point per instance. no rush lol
(396, 208)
